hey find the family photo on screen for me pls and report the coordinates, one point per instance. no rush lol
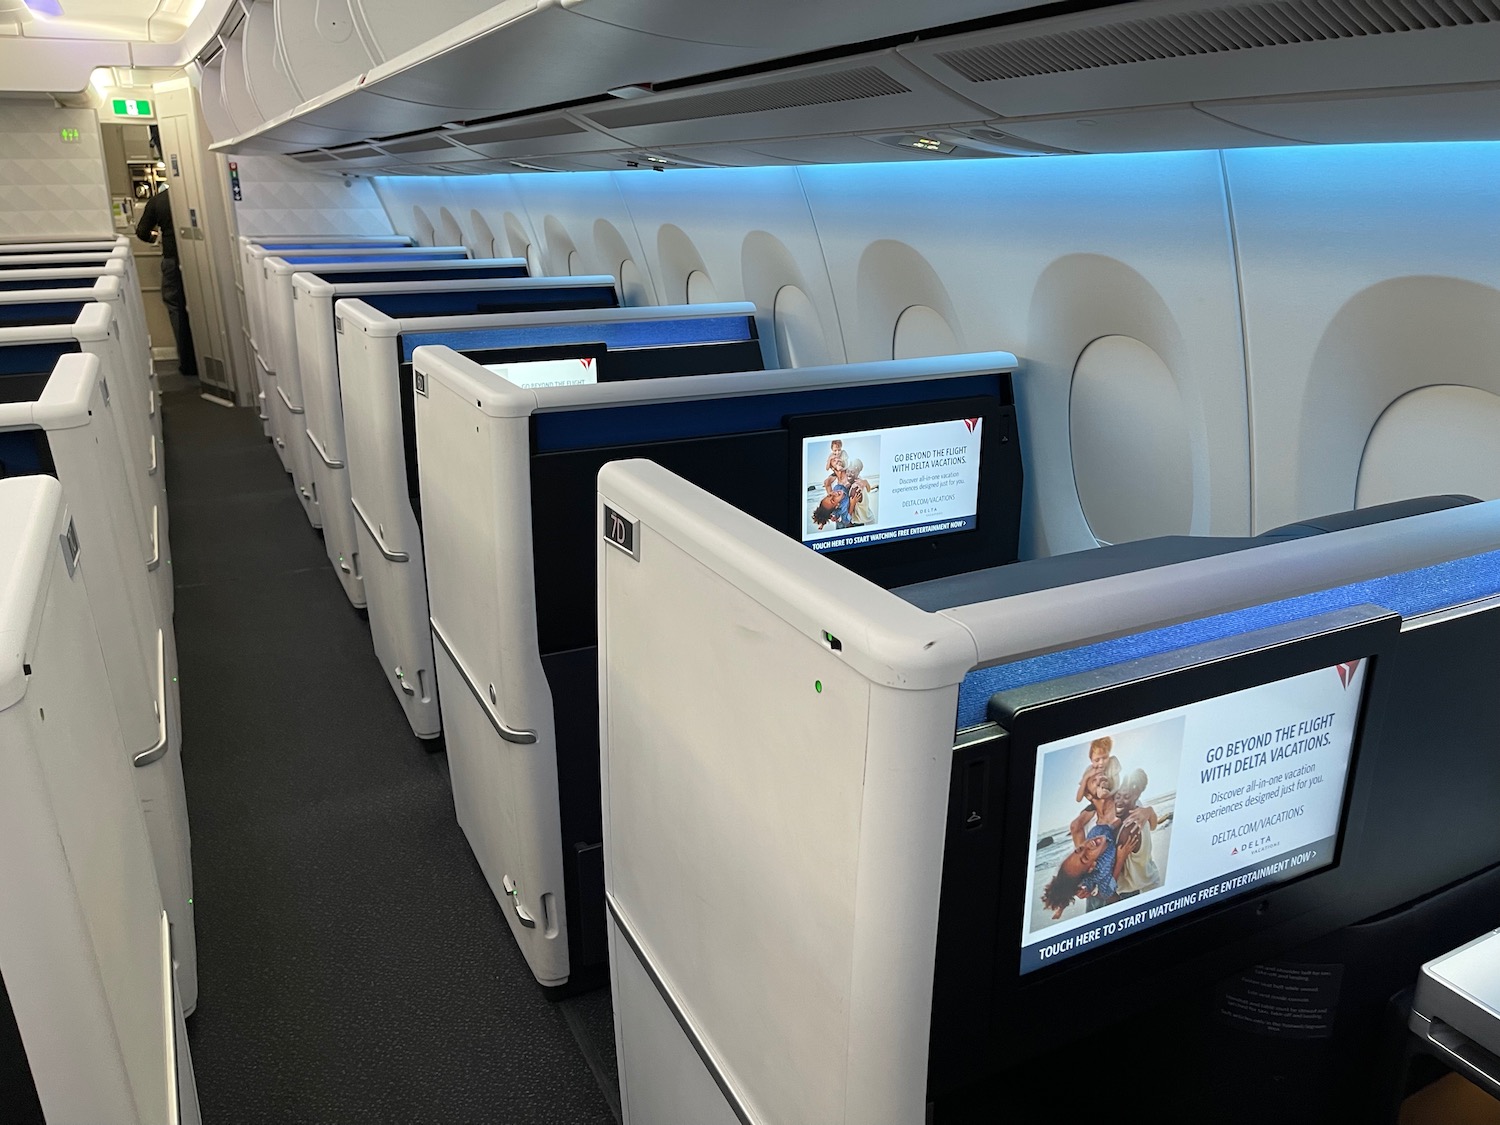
(843, 478)
(1120, 791)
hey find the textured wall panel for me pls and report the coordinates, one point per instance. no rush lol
(281, 198)
(49, 186)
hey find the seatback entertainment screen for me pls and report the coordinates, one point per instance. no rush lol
(548, 372)
(864, 487)
(1151, 819)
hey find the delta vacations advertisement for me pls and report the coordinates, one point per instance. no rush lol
(1149, 819)
(904, 482)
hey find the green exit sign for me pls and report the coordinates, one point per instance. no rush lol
(129, 107)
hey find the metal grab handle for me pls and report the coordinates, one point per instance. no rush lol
(323, 453)
(288, 402)
(152, 470)
(510, 734)
(155, 560)
(513, 893)
(401, 679)
(394, 556)
(156, 751)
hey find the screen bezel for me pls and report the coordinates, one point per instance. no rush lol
(1044, 713)
(914, 560)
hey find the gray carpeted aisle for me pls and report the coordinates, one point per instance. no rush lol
(353, 965)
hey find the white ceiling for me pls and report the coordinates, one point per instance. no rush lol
(129, 20)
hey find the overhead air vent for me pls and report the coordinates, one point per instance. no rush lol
(822, 89)
(313, 156)
(1211, 31)
(520, 131)
(356, 152)
(417, 144)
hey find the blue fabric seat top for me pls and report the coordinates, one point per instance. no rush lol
(1408, 593)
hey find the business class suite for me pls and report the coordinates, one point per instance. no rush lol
(627, 603)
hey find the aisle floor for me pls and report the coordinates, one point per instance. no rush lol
(353, 964)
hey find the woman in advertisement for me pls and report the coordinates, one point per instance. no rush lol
(1091, 871)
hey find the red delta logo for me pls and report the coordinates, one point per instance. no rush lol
(1346, 672)
(587, 361)
(971, 423)
(1234, 851)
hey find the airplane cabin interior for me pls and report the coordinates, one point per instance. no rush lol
(637, 562)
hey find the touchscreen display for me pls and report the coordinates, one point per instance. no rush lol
(900, 482)
(549, 372)
(1152, 819)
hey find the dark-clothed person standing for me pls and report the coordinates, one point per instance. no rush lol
(157, 215)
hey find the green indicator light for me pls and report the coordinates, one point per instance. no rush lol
(190, 902)
(174, 679)
(818, 686)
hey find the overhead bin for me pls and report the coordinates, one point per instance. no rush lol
(367, 65)
(216, 114)
(266, 74)
(320, 45)
(236, 96)
(1152, 75)
(392, 27)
